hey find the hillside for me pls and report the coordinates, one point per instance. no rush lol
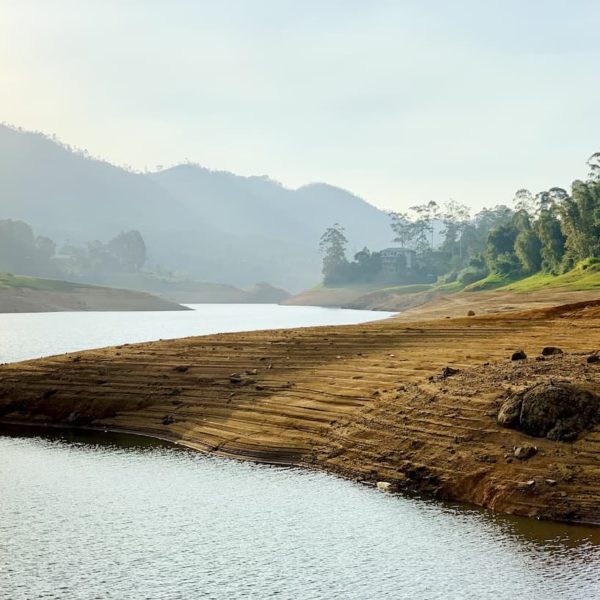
(260, 206)
(583, 282)
(215, 226)
(32, 294)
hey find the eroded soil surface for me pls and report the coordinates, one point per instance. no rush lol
(368, 401)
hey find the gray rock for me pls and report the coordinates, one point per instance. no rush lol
(557, 411)
(551, 351)
(524, 452)
(448, 372)
(384, 486)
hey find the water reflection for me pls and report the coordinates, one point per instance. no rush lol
(111, 516)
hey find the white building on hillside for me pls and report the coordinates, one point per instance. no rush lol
(390, 259)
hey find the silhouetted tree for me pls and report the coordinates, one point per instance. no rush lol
(129, 249)
(332, 246)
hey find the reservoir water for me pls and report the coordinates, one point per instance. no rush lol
(84, 516)
(31, 335)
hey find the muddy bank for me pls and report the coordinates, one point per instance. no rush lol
(88, 298)
(370, 402)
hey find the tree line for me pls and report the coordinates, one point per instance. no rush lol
(22, 252)
(550, 232)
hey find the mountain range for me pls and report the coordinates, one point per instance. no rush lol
(212, 225)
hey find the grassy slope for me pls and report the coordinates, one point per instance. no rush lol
(585, 276)
(8, 280)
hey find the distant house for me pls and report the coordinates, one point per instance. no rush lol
(391, 257)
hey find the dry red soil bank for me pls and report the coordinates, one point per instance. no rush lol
(355, 400)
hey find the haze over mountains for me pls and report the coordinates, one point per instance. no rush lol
(215, 226)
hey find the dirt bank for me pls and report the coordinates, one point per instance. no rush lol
(364, 401)
(24, 299)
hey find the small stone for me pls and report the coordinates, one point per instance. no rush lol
(526, 486)
(486, 458)
(471, 313)
(518, 355)
(593, 358)
(384, 486)
(551, 351)
(551, 482)
(167, 420)
(73, 418)
(524, 452)
(448, 372)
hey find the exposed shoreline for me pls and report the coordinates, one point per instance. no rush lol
(80, 298)
(355, 401)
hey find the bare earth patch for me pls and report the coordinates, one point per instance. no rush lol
(411, 403)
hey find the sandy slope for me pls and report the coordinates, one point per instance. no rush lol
(355, 400)
(23, 299)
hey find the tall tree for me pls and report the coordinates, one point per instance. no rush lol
(426, 215)
(332, 246)
(527, 244)
(500, 249)
(404, 228)
(524, 200)
(580, 222)
(552, 241)
(456, 218)
(593, 163)
(129, 249)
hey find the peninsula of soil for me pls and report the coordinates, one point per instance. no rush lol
(22, 294)
(445, 404)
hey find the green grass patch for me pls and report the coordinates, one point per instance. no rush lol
(493, 281)
(585, 276)
(8, 280)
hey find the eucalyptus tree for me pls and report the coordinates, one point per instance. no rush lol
(332, 246)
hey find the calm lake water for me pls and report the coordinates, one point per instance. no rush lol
(84, 516)
(31, 335)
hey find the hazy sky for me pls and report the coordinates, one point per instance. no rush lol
(399, 101)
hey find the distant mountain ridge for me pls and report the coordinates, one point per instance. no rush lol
(214, 225)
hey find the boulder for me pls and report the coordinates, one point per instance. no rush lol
(557, 411)
(518, 355)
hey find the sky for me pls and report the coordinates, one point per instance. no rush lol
(401, 102)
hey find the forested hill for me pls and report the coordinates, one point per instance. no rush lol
(215, 226)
